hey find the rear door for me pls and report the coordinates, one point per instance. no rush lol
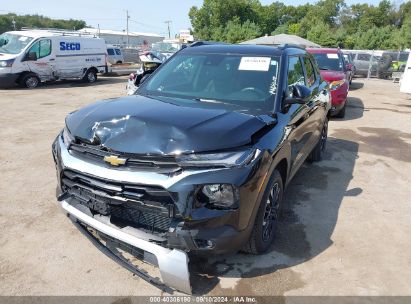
(44, 65)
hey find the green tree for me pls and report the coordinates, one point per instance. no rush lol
(321, 33)
(38, 22)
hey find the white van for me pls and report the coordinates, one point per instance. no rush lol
(405, 86)
(30, 57)
(114, 55)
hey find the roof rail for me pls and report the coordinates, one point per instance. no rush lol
(62, 32)
(289, 45)
(200, 43)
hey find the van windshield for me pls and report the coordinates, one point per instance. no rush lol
(12, 43)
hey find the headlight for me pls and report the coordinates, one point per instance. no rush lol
(67, 137)
(336, 84)
(223, 159)
(6, 63)
(220, 196)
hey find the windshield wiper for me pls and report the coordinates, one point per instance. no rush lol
(324, 69)
(208, 100)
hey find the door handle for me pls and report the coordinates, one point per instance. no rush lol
(52, 59)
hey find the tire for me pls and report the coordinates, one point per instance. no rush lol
(29, 81)
(264, 228)
(119, 62)
(91, 76)
(319, 149)
(341, 113)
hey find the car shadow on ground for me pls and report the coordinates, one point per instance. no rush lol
(355, 109)
(355, 85)
(310, 212)
(102, 80)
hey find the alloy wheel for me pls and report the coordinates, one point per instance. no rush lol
(271, 212)
(32, 82)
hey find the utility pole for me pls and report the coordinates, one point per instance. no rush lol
(168, 22)
(128, 39)
(14, 23)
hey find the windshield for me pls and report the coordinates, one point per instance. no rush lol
(329, 62)
(12, 43)
(238, 82)
(165, 47)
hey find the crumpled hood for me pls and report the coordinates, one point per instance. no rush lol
(332, 75)
(7, 56)
(143, 125)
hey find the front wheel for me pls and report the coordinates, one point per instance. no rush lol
(29, 81)
(91, 76)
(319, 149)
(264, 230)
(341, 113)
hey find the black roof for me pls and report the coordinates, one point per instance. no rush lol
(243, 49)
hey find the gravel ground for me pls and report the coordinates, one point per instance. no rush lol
(346, 227)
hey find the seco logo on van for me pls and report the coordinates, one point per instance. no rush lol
(69, 46)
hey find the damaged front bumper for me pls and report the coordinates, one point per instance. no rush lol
(192, 228)
(173, 263)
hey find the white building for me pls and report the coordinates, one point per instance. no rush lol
(120, 37)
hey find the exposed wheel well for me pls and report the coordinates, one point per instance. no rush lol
(282, 167)
(93, 69)
(22, 74)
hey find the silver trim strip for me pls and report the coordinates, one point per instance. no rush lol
(121, 175)
(173, 263)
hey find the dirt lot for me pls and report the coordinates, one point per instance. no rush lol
(346, 229)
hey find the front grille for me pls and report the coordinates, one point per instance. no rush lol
(150, 208)
(159, 164)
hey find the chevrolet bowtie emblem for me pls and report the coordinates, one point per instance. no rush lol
(115, 160)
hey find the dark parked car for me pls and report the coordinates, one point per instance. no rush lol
(197, 161)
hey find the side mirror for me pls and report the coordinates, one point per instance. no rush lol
(349, 67)
(301, 95)
(32, 56)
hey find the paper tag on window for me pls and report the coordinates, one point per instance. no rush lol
(332, 56)
(255, 64)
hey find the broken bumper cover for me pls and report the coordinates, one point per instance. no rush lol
(172, 263)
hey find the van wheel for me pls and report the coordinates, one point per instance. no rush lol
(29, 81)
(119, 62)
(318, 151)
(91, 76)
(264, 230)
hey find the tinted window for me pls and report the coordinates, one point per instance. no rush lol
(404, 56)
(45, 48)
(329, 61)
(295, 74)
(118, 52)
(41, 48)
(365, 57)
(110, 52)
(217, 80)
(309, 70)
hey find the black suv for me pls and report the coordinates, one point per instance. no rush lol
(196, 161)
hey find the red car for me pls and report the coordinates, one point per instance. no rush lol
(334, 70)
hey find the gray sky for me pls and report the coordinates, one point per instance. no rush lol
(145, 16)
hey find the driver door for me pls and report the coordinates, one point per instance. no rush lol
(43, 66)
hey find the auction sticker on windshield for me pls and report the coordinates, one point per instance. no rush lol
(332, 56)
(255, 64)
